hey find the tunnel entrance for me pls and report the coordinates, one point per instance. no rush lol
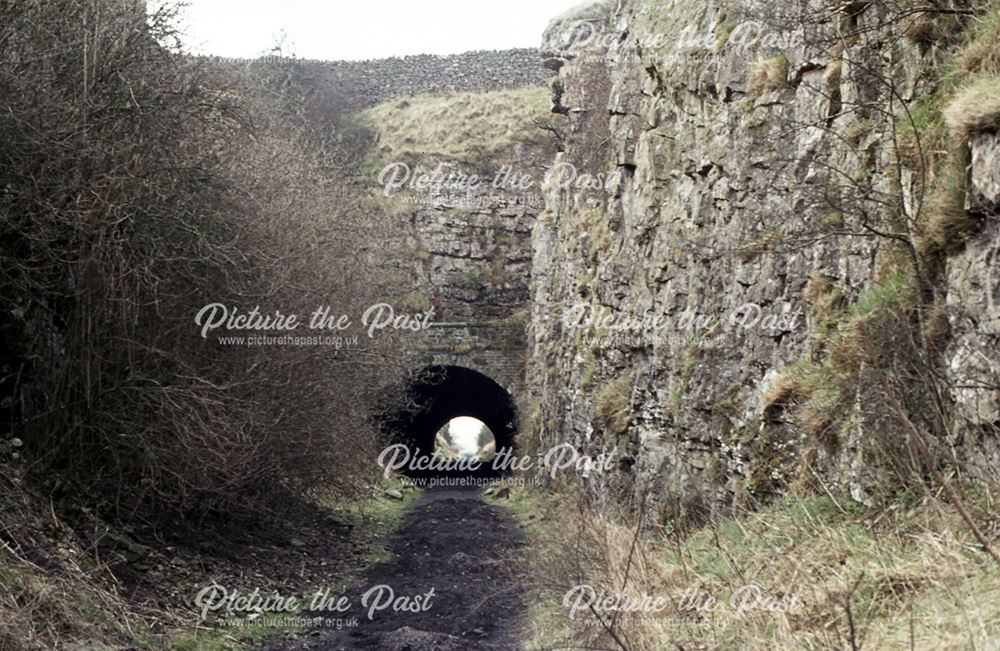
(430, 403)
(465, 437)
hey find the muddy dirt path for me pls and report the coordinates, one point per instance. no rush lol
(452, 563)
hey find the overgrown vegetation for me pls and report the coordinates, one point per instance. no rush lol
(141, 186)
(138, 185)
(71, 591)
(871, 392)
(809, 571)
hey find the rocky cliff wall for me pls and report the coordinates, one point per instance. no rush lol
(710, 284)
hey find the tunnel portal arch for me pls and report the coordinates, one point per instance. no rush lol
(435, 394)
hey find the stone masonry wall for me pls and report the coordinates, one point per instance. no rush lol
(473, 265)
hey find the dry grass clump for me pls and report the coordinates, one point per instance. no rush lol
(462, 127)
(844, 385)
(768, 75)
(924, 30)
(981, 56)
(976, 107)
(806, 572)
(946, 224)
(936, 326)
(825, 302)
(613, 406)
(931, 27)
(780, 391)
(817, 402)
(50, 594)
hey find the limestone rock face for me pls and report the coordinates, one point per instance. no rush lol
(712, 176)
(574, 30)
(973, 279)
(984, 174)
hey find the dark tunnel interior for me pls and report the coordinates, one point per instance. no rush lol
(431, 398)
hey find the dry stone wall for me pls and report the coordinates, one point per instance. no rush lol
(366, 83)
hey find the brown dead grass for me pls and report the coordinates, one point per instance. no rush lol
(460, 127)
(909, 574)
(974, 108)
(613, 406)
(981, 56)
(768, 75)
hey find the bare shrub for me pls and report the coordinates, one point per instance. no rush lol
(141, 185)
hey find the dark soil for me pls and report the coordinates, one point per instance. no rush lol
(455, 543)
(167, 562)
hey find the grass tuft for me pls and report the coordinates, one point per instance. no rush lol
(462, 127)
(975, 108)
(981, 56)
(768, 75)
(613, 406)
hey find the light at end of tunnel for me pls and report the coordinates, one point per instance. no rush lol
(464, 433)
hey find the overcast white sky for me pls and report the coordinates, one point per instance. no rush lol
(365, 29)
